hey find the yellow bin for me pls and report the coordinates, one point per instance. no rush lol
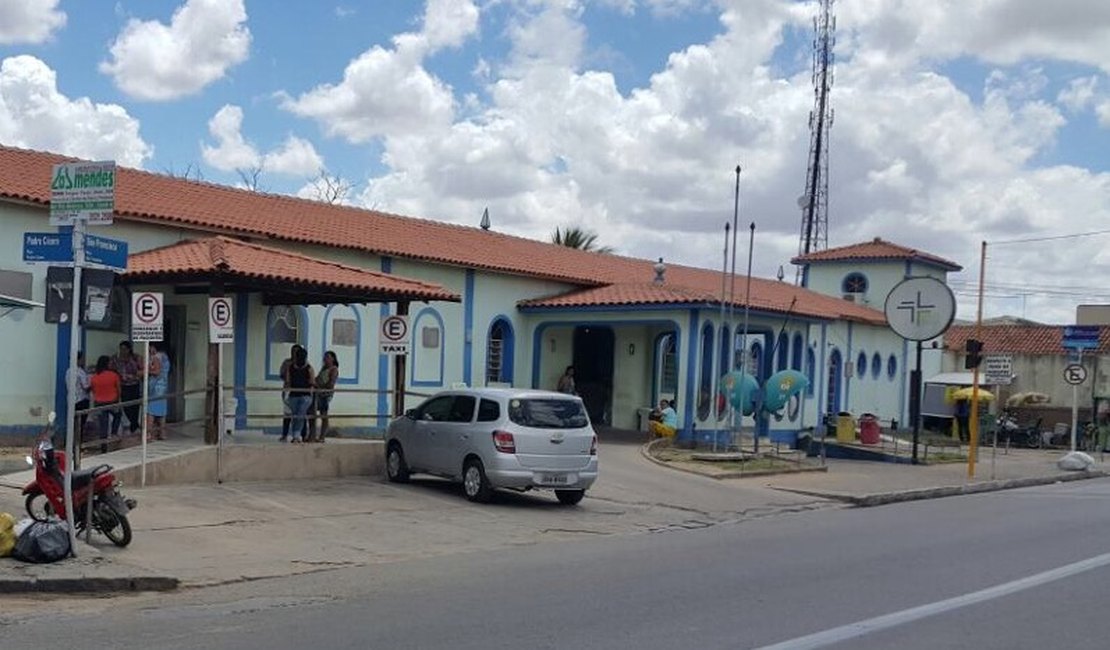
(845, 428)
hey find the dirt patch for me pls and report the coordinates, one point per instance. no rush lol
(732, 467)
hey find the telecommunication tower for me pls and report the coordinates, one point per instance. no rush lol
(815, 202)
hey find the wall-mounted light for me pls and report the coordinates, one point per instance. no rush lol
(631, 349)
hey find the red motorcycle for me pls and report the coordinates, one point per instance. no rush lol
(46, 494)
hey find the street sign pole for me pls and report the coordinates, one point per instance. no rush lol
(146, 406)
(1075, 402)
(71, 384)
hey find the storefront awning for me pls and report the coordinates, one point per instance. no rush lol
(282, 277)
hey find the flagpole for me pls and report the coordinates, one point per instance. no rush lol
(717, 375)
(747, 310)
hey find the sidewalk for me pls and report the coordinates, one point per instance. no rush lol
(203, 535)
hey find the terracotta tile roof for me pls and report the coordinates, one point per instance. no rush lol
(874, 250)
(232, 258)
(143, 196)
(767, 295)
(1017, 339)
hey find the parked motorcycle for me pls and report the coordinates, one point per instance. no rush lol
(1010, 432)
(45, 495)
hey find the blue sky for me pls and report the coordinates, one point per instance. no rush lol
(956, 121)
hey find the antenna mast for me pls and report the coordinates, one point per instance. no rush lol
(815, 202)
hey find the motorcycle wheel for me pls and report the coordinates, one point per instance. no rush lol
(114, 525)
(38, 506)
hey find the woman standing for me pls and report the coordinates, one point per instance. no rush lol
(158, 380)
(325, 385)
(566, 382)
(298, 387)
(105, 388)
(129, 366)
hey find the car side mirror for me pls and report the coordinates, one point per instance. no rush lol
(410, 414)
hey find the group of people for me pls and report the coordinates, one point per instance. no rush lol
(307, 395)
(116, 384)
(663, 420)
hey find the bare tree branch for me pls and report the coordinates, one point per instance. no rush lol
(251, 177)
(331, 188)
(191, 172)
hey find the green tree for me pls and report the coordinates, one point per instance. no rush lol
(579, 238)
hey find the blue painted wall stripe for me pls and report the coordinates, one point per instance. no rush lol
(468, 328)
(383, 361)
(821, 374)
(848, 382)
(687, 431)
(242, 319)
(61, 363)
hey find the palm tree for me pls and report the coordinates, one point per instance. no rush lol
(579, 238)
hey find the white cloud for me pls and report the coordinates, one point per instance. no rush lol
(33, 114)
(29, 21)
(914, 158)
(1079, 94)
(389, 91)
(294, 157)
(448, 23)
(232, 151)
(158, 62)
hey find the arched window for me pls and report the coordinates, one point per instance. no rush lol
(427, 348)
(891, 367)
(782, 351)
(854, 283)
(725, 355)
(285, 326)
(755, 361)
(796, 352)
(811, 370)
(499, 352)
(666, 367)
(861, 365)
(705, 384)
(832, 386)
(343, 335)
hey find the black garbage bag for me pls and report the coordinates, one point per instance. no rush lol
(42, 542)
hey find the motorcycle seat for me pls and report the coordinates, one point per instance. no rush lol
(83, 477)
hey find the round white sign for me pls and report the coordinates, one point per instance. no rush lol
(920, 309)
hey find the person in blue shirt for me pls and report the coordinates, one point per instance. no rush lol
(664, 420)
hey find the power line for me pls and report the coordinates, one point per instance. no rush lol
(1004, 242)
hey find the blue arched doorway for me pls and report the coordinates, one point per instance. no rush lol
(836, 373)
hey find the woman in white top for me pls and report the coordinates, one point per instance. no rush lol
(82, 393)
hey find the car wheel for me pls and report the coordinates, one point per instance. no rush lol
(475, 484)
(395, 467)
(569, 497)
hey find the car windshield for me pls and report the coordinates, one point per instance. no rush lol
(548, 413)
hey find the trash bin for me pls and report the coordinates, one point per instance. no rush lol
(845, 427)
(868, 429)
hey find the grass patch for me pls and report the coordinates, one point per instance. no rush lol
(753, 464)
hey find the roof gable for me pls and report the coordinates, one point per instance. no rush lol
(1017, 339)
(876, 250)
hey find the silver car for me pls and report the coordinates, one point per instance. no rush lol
(490, 438)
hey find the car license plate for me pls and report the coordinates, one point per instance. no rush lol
(554, 479)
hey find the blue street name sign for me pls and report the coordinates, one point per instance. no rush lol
(1081, 336)
(106, 252)
(52, 247)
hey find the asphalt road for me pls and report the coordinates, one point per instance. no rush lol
(996, 570)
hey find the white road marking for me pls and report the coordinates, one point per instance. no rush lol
(861, 628)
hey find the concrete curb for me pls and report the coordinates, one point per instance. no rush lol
(87, 585)
(645, 451)
(885, 498)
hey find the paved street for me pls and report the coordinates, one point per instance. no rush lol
(728, 585)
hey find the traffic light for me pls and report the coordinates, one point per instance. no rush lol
(974, 354)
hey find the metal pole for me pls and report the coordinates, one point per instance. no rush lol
(974, 424)
(915, 400)
(71, 384)
(732, 297)
(219, 412)
(721, 370)
(1075, 402)
(747, 310)
(146, 411)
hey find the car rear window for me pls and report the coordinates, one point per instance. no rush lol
(489, 411)
(543, 413)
